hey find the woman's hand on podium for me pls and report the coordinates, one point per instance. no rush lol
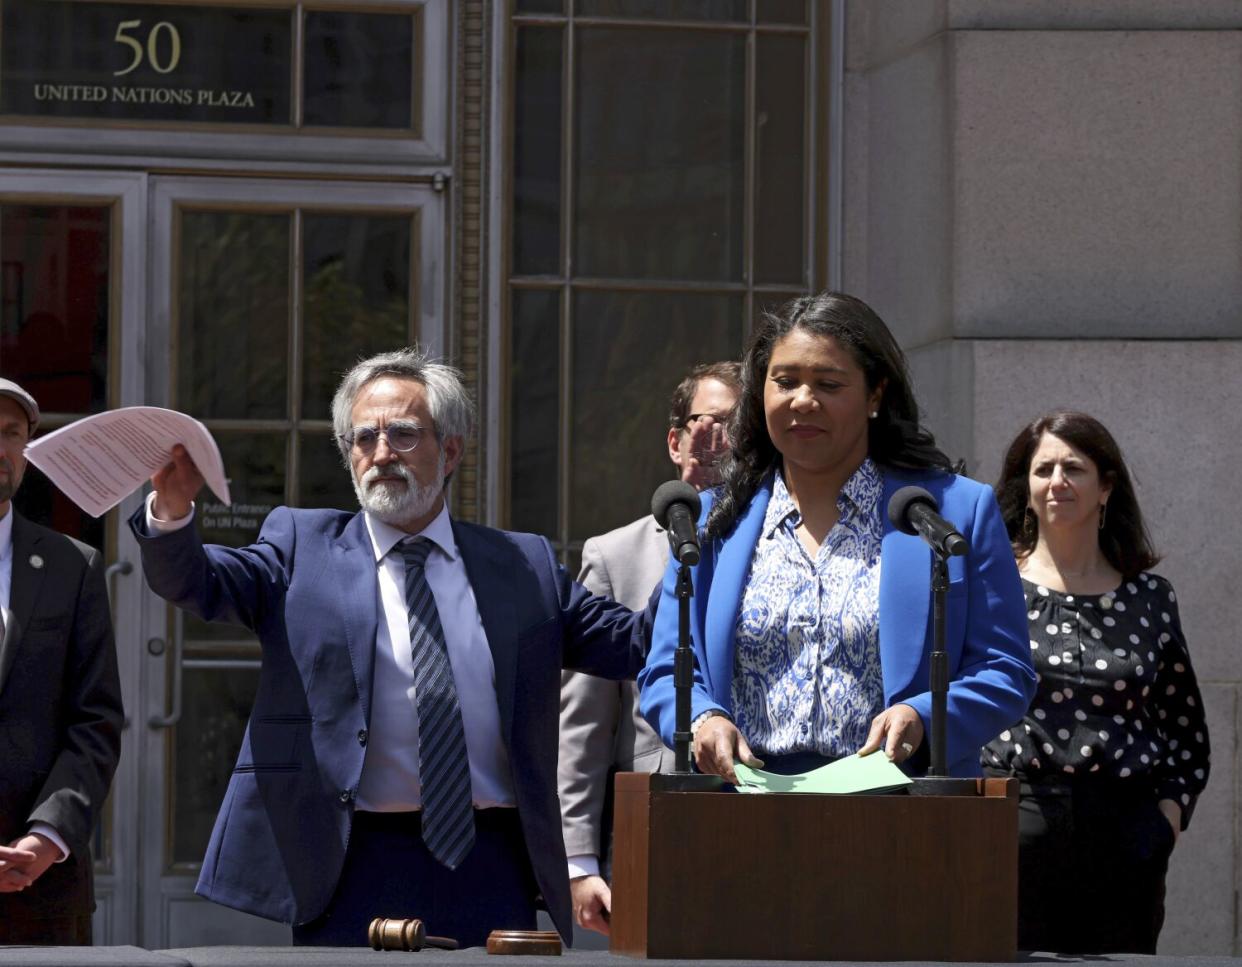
(718, 744)
(899, 730)
(592, 900)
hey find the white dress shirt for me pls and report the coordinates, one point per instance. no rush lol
(6, 591)
(390, 774)
(389, 780)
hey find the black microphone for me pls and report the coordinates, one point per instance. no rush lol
(913, 510)
(675, 506)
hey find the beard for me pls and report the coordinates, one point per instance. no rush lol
(394, 505)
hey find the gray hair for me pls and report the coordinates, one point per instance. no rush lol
(452, 410)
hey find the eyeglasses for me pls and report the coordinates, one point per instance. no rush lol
(402, 437)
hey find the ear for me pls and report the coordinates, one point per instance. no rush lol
(674, 446)
(1106, 487)
(454, 448)
(876, 397)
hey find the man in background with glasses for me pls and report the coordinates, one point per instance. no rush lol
(400, 758)
(60, 709)
(602, 732)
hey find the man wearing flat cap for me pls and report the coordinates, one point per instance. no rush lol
(60, 709)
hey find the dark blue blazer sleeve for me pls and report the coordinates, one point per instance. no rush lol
(240, 585)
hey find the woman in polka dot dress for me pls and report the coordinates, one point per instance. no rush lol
(1113, 751)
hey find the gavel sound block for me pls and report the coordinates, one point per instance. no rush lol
(411, 934)
(531, 943)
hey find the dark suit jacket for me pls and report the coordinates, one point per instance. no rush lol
(60, 710)
(309, 590)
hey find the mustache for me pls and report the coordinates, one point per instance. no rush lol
(392, 471)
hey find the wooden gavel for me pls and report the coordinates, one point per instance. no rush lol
(411, 934)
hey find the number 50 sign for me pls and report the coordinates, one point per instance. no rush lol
(146, 61)
(164, 65)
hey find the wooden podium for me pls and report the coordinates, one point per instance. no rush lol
(720, 875)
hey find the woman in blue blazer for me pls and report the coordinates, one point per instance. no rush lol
(811, 615)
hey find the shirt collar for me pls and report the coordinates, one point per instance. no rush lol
(863, 490)
(384, 537)
(781, 507)
(6, 534)
(859, 496)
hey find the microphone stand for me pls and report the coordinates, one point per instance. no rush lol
(683, 673)
(682, 778)
(937, 781)
(939, 667)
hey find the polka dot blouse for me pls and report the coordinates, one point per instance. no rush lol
(1117, 695)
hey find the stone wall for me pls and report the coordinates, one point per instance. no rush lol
(1044, 200)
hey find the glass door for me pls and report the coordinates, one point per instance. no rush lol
(263, 293)
(72, 316)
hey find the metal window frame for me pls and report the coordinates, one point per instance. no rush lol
(822, 231)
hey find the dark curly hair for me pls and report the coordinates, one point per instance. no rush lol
(895, 438)
(1124, 540)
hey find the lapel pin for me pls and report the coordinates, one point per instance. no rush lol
(36, 561)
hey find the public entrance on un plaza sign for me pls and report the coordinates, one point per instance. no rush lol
(228, 255)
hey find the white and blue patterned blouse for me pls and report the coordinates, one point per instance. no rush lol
(806, 666)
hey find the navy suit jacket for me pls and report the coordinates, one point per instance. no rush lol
(309, 589)
(991, 678)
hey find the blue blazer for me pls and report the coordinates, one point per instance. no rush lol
(991, 678)
(309, 589)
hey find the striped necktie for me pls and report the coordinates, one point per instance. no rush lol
(443, 764)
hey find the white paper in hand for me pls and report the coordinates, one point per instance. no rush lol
(100, 460)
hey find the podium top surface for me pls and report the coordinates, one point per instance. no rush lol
(471, 957)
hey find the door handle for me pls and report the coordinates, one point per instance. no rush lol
(111, 572)
(156, 647)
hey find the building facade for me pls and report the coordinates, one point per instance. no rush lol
(219, 207)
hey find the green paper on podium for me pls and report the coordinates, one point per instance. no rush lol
(853, 774)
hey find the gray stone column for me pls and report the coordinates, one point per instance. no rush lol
(1044, 200)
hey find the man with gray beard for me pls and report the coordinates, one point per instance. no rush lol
(400, 758)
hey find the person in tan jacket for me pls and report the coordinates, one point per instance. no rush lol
(601, 729)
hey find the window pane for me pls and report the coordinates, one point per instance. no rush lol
(54, 304)
(540, 6)
(669, 201)
(233, 323)
(54, 296)
(780, 11)
(357, 298)
(216, 706)
(537, 152)
(358, 70)
(771, 302)
(534, 411)
(780, 201)
(664, 9)
(256, 466)
(630, 352)
(325, 482)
